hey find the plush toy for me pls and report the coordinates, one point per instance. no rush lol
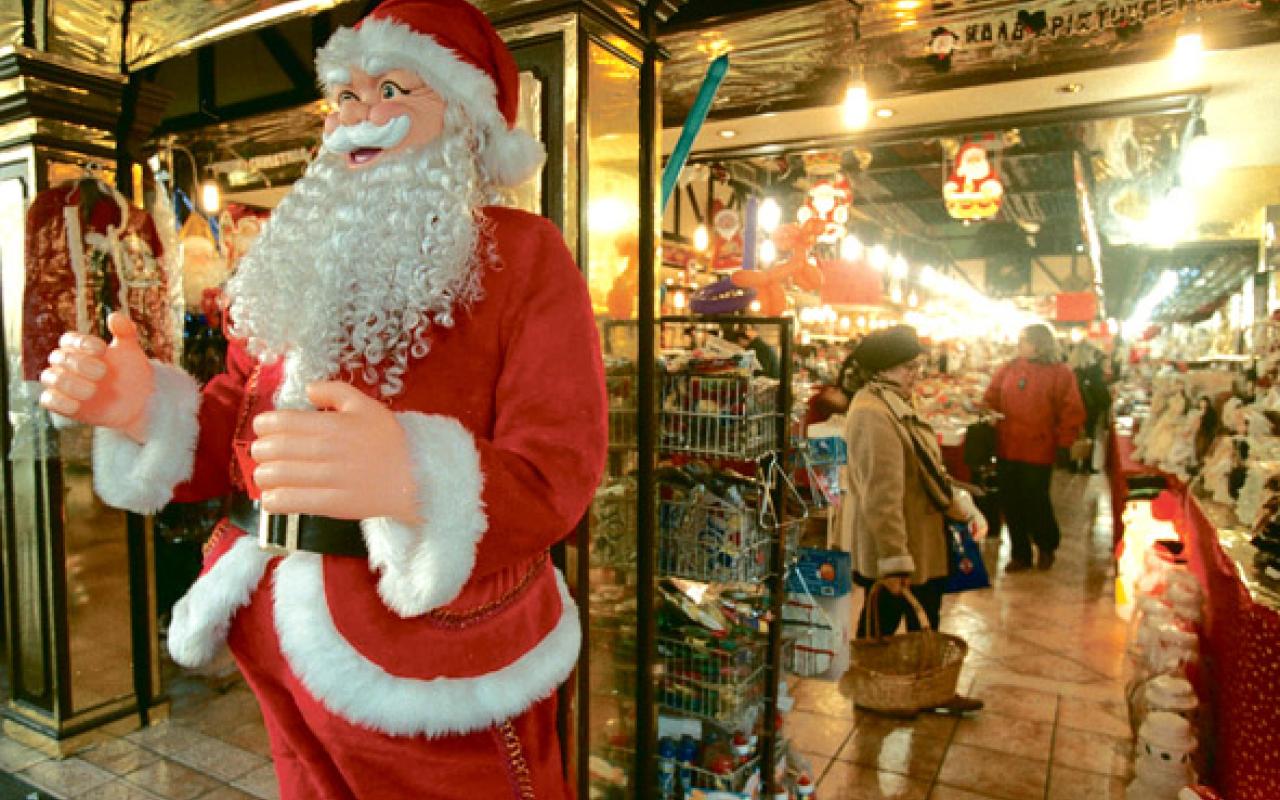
(1163, 765)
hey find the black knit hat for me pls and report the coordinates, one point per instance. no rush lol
(888, 348)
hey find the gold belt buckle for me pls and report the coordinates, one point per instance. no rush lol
(291, 525)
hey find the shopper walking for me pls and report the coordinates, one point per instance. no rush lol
(1042, 414)
(1086, 362)
(900, 493)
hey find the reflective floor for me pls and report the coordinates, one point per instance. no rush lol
(1046, 654)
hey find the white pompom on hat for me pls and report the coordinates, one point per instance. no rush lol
(452, 46)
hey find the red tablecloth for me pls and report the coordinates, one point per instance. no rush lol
(1120, 468)
(1240, 649)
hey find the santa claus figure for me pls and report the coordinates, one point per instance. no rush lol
(973, 191)
(413, 412)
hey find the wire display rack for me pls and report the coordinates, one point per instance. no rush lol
(719, 416)
(621, 390)
(613, 529)
(705, 538)
(721, 682)
(732, 781)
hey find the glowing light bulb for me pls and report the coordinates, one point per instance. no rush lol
(899, 268)
(879, 258)
(1188, 50)
(769, 215)
(851, 248)
(755, 306)
(678, 300)
(804, 214)
(768, 252)
(701, 239)
(210, 197)
(913, 299)
(857, 105)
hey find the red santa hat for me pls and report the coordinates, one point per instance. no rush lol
(452, 46)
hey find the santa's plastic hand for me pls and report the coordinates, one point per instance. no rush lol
(99, 384)
(347, 460)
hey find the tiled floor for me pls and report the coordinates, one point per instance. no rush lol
(213, 747)
(1046, 653)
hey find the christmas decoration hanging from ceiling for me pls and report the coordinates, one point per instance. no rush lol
(973, 191)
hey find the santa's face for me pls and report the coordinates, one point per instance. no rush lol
(378, 115)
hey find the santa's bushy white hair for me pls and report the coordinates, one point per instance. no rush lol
(356, 265)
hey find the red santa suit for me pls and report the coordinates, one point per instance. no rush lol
(427, 669)
(439, 655)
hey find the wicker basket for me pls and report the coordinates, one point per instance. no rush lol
(905, 673)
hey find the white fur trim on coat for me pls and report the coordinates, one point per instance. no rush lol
(361, 692)
(896, 564)
(426, 567)
(141, 477)
(510, 156)
(201, 619)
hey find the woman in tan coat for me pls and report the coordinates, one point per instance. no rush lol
(899, 492)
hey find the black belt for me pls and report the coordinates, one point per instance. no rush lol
(285, 533)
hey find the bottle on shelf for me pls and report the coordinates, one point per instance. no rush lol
(666, 769)
(686, 761)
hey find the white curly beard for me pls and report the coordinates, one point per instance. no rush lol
(355, 266)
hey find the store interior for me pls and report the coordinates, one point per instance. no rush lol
(966, 168)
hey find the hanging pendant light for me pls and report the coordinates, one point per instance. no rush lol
(857, 102)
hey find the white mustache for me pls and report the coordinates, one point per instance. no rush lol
(346, 138)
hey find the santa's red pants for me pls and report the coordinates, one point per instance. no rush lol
(320, 756)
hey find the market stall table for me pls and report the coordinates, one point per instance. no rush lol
(1240, 649)
(1122, 472)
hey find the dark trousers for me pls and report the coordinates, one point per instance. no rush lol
(891, 608)
(1028, 511)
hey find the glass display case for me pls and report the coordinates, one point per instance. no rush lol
(80, 645)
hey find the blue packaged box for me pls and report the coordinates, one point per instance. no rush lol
(828, 450)
(825, 573)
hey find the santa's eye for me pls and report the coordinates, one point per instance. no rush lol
(344, 96)
(390, 90)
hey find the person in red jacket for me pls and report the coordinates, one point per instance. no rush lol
(1042, 413)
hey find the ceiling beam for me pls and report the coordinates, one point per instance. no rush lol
(1174, 103)
(704, 13)
(300, 74)
(936, 196)
(917, 163)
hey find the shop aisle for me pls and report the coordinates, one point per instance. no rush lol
(1046, 654)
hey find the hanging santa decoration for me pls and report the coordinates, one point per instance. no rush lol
(827, 202)
(942, 43)
(974, 190)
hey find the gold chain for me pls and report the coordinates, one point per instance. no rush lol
(457, 619)
(515, 760)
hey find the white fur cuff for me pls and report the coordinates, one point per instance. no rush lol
(141, 477)
(894, 565)
(426, 567)
(201, 619)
